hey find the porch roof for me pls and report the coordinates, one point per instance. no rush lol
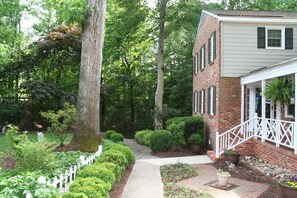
(272, 71)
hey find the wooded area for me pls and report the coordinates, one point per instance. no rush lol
(43, 75)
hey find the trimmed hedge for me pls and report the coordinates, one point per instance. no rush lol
(189, 125)
(113, 156)
(108, 133)
(92, 187)
(144, 137)
(161, 140)
(74, 195)
(97, 171)
(117, 137)
(116, 169)
(125, 150)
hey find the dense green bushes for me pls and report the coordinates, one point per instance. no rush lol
(144, 137)
(161, 140)
(114, 136)
(108, 133)
(96, 180)
(184, 127)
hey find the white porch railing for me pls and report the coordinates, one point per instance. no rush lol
(279, 132)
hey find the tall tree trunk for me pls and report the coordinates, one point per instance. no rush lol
(86, 137)
(160, 67)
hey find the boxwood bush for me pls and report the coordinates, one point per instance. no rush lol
(125, 150)
(92, 187)
(189, 125)
(74, 195)
(117, 137)
(144, 137)
(161, 140)
(113, 156)
(97, 171)
(108, 133)
(116, 169)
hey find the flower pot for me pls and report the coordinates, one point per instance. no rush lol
(232, 157)
(223, 179)
(288, 191)
(195, 148)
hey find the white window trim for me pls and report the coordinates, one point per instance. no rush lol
(211, 47)
(275, 28)
(211, 100)
(286, 112)
(195, 101)
(202, 101)
(196, 63)
(202, 57)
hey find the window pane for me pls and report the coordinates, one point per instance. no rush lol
(274, 38)
(291, 109)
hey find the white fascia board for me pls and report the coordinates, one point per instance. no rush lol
(257, 20)
(282, 69)
(210, 14)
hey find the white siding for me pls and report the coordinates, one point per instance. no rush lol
(240, 54)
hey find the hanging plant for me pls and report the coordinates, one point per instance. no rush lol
(279, 89)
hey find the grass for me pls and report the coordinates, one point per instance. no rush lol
(171, 174)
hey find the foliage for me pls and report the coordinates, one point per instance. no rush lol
(224, 173)
(279, 89)
(177, 130)
(107, 143)
(117, 137)
(14, 137)
(74, 195)
(189, 124)
(177, 172)
(116, 169)
(19, 185)
(108, 133)
(161, 140)
(289, 180)
(196, 138)
(144, 137)
(97, 171)
(92, 187)
(230, 152)
(61, 121)
(115, 157)
(10, 112)
(125, 150)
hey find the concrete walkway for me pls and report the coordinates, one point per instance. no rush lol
(145, 179)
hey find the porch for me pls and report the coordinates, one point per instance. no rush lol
(262, 118)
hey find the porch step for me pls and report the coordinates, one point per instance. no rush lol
(212, 155)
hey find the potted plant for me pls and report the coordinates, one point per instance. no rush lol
(279, 89)
(288, 186)
(196, 141)
(223, 178)
(232, 156)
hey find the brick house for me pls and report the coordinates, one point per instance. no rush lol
(235, 55)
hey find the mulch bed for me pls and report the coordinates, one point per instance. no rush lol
(246, 172)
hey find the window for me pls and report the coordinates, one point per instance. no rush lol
(290, 108)
(196, 102)
(212, 100)
(212, 47)
(275, 38)
(196, 68)
(202, 95)
(202, 57)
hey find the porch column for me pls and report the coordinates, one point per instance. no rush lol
(242, 103)
(295, 112)
(263, 109)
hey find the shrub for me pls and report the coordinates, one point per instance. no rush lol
(108, 133)
(92, 187)
(196, 139)
(191, 125)
(117, 137)
(125, 150)
(116, 169)
(61, 121)
(115, 157)
(161, 140)
(97, 171)
(144, 137)
(177, 131)
(74, 195)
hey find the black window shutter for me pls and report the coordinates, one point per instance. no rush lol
(197, 62)
(214, 100)
(261, 37)
(197, 102)
(204, 101)
(194, 64)
(289, 38)
(200, 61)
(208, 101)
(214, 45)
(209, 49)
(204, 54)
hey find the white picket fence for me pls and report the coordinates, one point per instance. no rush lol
(63, 181)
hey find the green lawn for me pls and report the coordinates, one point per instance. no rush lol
(50, 137)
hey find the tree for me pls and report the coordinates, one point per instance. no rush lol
(86, 135)
(160, 66)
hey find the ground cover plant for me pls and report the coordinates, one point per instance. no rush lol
(171, 174)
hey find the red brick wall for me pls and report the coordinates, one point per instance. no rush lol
(210, 76)
(279, 156)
